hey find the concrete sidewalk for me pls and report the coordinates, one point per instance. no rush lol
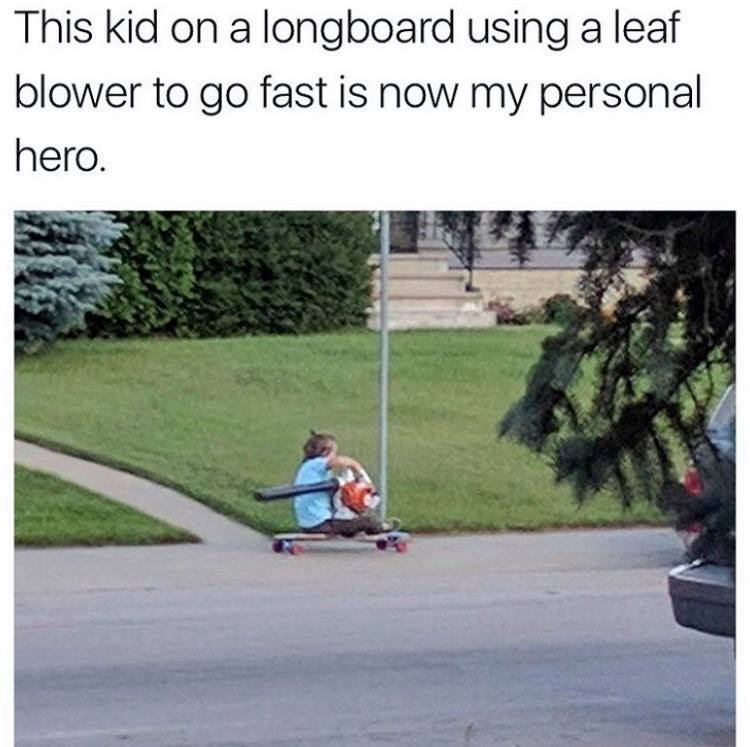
(156, 500)
(440, 563)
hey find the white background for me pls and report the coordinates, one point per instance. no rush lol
(251, 159)
(405, 159)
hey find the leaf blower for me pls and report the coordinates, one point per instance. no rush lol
(350, 493)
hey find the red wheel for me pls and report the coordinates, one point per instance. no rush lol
(381, 544)
(296, 549)
(402, 547)
(277, 546)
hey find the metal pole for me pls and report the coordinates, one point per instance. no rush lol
(385, 247)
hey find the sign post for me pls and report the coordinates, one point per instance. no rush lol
(385, 247)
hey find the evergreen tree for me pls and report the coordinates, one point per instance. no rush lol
(60, 271)
(659, 357)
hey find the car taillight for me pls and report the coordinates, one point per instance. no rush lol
(691, 481)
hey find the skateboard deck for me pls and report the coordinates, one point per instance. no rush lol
(293, 542)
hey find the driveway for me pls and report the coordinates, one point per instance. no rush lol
(562, 638)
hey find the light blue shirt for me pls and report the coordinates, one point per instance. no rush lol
(312, 509)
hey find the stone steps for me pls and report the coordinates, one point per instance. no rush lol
(435, 319)
(423, 293)
(429, 284)
(427, 301)
(414, 263)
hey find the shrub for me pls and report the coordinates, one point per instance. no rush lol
(220, 274)
(60, 272)
(561, 309)
(280, 272)
(536, 315)
(156, 256)
(506, 314)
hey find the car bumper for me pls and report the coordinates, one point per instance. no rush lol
(703, 597)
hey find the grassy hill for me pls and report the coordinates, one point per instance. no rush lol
(217, 418)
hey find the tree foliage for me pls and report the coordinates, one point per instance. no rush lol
(460, 232)
(218, 274)
(659, 354)
(280, 272)
(517, 227)
(156, 256)
(60, 271)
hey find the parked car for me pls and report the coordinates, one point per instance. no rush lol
(714, 466)
(703, 590)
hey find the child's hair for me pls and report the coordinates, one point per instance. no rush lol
(318, 444)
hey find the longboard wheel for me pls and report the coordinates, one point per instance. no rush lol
(402, 547)
(382, 544)
(277, 546)
(296, 549)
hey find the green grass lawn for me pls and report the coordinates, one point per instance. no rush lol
(50, 512)
(217, 418)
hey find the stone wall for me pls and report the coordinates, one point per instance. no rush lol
(524, 288)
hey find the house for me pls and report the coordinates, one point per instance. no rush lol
(427, 283)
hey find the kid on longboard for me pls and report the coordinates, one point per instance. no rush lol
(317, 513)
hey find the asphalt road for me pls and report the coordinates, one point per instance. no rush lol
(551, 639)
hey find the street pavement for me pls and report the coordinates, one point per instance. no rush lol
(561, 638)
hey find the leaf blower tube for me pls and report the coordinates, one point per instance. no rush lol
(350, 494)
(290, 491)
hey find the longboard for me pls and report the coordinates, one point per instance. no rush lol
(293, 542)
